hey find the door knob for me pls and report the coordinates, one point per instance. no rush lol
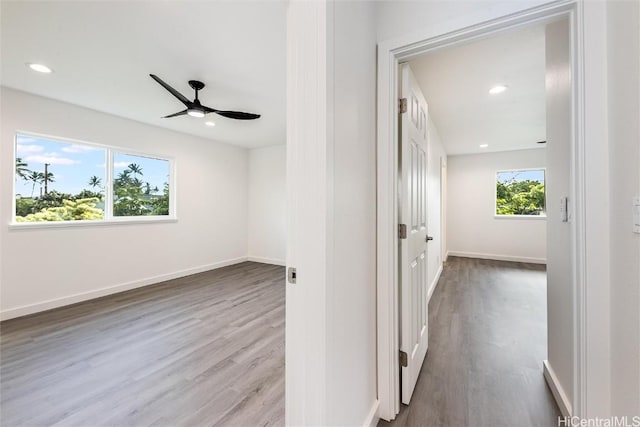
(429, 238)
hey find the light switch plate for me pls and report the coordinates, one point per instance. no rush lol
(636, 214)
(564, 209)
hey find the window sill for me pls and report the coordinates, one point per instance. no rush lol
(525, 217)
(71, 224)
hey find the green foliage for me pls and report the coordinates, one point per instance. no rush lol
(70, 210)
(520, 198)
(161, 204)
(88, 194)
(134, 197)
(25, 207)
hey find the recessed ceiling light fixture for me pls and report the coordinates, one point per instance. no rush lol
(497, 89)
(484, 145)
(39, 68)
(209, 123)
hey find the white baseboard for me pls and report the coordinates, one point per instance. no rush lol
(497, 257)
(265, 260)
(432, 286)
(556, 389)
(84, 296)
(372, 419)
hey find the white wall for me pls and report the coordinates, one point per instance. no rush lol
(331, 319)
(559, 272)
(351, 296)
(267, 204)
(435, 156)
(623, 43)
(398, 19)
(472, 228)
(43, 268)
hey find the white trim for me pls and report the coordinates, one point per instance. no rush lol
(520, 217)
(432, 286)
(498, 257)
(265, 260)
(109, 290)
(309, 209)
(556, 389)
(390, 53)
(23, 226)
(372, 419)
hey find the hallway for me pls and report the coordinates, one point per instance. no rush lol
(487, 327)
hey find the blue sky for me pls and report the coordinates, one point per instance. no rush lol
(523, 175)
(73, 165)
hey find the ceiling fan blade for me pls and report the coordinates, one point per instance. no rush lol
(174, 92)
(238, 115)
(179, 113)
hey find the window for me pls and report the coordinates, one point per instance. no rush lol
(58, 180)
(520, 193)
(140, 185)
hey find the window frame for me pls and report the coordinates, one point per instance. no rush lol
(109, 218)
(542, 216)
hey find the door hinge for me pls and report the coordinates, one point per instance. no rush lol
(402, 231)
(403, 105)
(403, 359)
(292, 275)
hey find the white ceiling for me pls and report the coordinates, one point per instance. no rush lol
(456, 83)
(103, 52)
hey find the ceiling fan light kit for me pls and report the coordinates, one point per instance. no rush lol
(195, 108)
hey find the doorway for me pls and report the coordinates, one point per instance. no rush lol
(389, 294)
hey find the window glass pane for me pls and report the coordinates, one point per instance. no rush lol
(520, 192)
(57, 180)
(140, 185)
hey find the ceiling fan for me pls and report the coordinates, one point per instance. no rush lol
(195, 109)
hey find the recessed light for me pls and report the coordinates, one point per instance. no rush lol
(484, 145)
(40, 68)
(209, 123)
(497, 89)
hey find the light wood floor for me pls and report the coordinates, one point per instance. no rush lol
(207, 349)
(487, 341)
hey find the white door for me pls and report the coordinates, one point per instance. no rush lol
(413, 248)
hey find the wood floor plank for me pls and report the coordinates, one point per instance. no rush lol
(487, 341)
(206, 349)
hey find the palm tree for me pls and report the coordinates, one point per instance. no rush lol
(35, 177)
(135, 169)
(95, 181)
(21, 169)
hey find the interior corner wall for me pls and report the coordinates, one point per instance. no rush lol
(472, 228)
(44, 268)
(435, 197)
(351, 293)
(623, 80)
(267, 204)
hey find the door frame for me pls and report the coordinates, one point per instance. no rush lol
(390, 54)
